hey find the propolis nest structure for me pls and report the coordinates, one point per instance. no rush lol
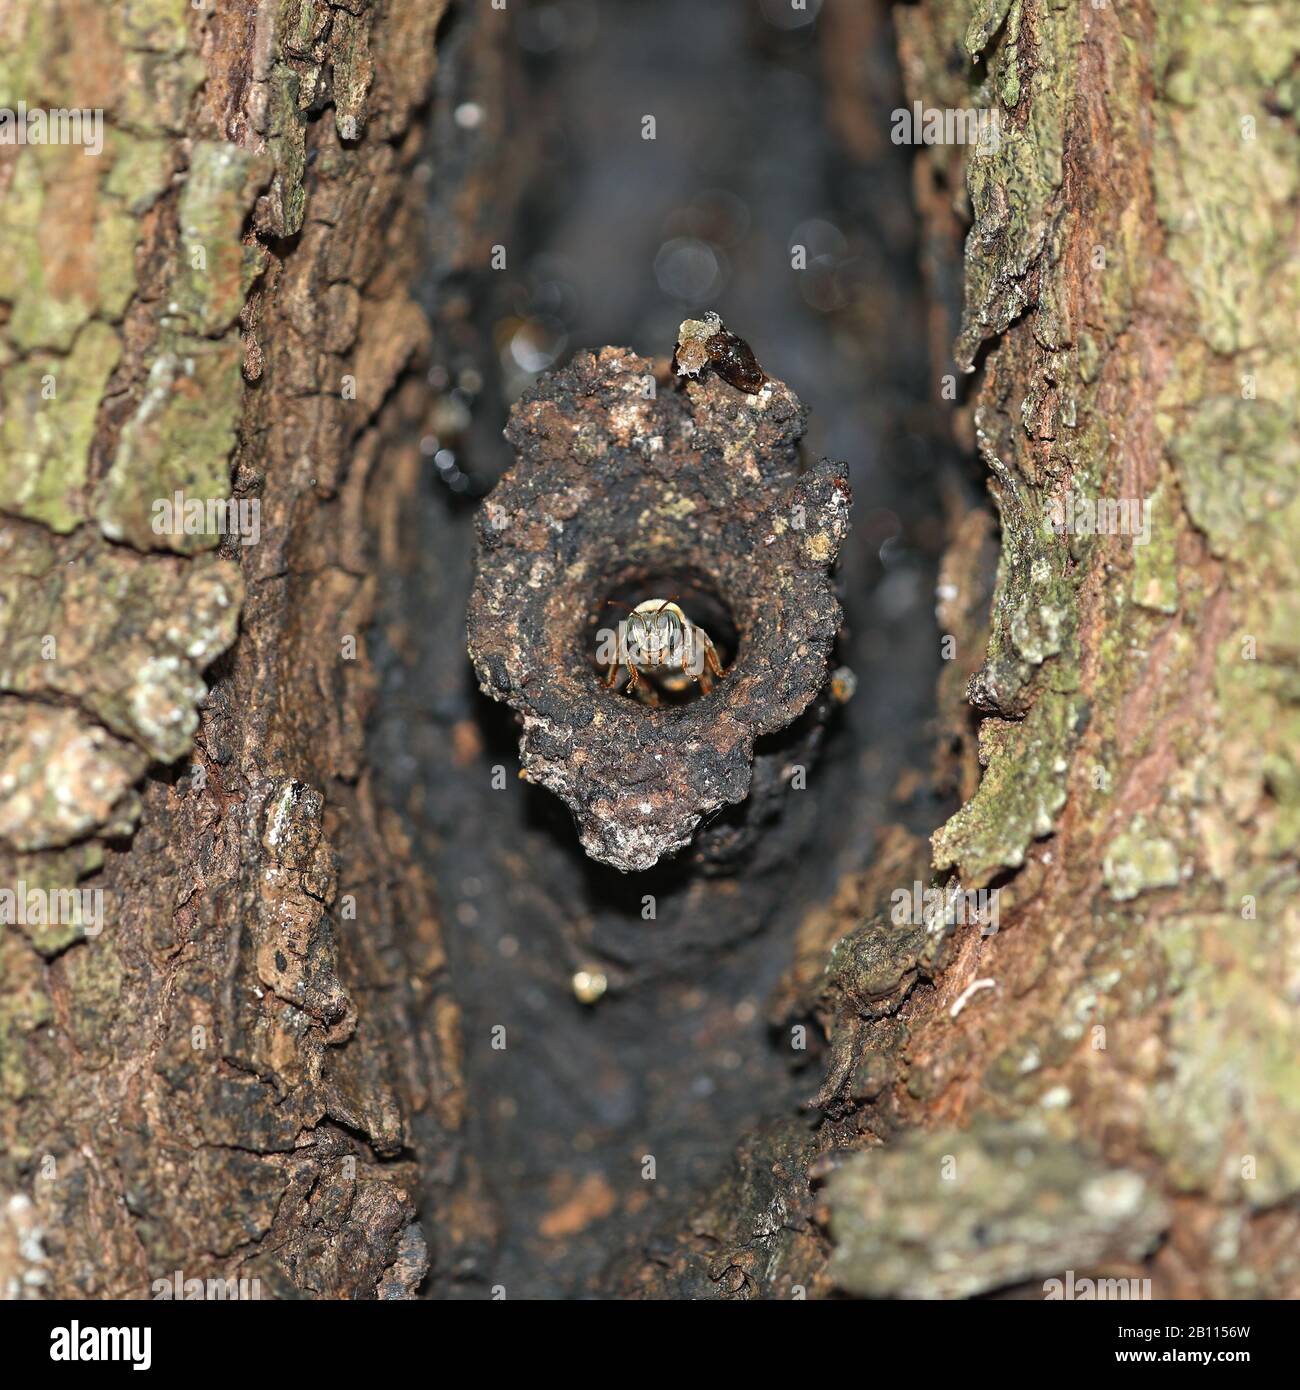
(625, 482)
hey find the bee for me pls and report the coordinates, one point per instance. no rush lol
(657, 636)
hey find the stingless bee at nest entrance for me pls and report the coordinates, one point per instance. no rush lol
(663, 642)
(584, 517)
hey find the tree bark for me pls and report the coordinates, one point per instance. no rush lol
(222, 1075)
(249, 1065)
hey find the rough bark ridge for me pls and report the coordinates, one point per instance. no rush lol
(219, 1076)
(1130, 308)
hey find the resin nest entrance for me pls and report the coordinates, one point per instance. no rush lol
(622, 481)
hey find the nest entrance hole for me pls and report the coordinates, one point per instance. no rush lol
(698, 599)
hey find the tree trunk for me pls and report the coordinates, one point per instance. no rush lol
(237, 1054)
(221, 1073)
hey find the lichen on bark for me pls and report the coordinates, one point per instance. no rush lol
(1149, 662)
(219, 1075)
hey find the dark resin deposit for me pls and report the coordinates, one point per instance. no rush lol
(626, 480)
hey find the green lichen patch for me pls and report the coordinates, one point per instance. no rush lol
(48, 406)
(1225, 169)
(318, 39)
(178, 441)
(62, 777)
(1012, 185)
(1155, 564)
(70, 226)
(1033, 626)
(135, 61)
(140, 170)
(286, 140)
(69, 254)
(953, 1214)
(220, 188)
(1227, 1116)
(124, 637)
(1023, 787)
(42, 897)
(162, 71)
(1138, 861)
(92, 975)
(24, 1006)
(986, 19)
(1037, 629)
(156, 26)
(1261, 764)
(1135, 865)
(180, 437)
(1238, 462)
